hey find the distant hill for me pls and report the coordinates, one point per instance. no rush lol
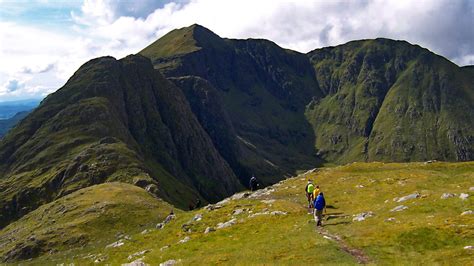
(10, 108)
(7, 124)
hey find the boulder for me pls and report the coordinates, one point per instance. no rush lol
(116, 244)
(467, 212)
(212, 207)
(226, 224)
(447, 195)
(197, 217)
(362, 216)
(399, 208)
(169, 263)
(237, 211)
(464, 196)
(409, 197)
(138, 254)
(278, 213)
(209, 229)
(184, 240)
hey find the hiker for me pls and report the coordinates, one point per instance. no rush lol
(309, 189)
(319, 206)
(253, 183)
(198, 203)
(316, 192)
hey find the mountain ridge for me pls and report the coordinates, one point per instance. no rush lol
(193, 116)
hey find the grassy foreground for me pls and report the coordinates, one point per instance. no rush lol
(430, 230)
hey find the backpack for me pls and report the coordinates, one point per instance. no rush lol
(310, 188)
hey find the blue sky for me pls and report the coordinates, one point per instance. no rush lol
(43, 42)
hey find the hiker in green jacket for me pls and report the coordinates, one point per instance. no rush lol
(309, 194)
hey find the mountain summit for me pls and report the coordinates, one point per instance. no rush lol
(193, 116)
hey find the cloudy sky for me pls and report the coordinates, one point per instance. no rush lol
(43, 42)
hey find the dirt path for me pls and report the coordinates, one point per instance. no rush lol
(356, 253)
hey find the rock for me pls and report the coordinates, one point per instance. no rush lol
(167, 220)
(399, 208)
(241, 195)
(359, 186)
(160, 225)
(226, 224)
(268, 201)
(152, 189)
(409, 197)
(391, 219)
(471, 189)
(138, 262)
(259, 214)
(108, 140)
(116, 244)
(278, 213)
(197, 217)
(469, 247)
(208, 230)
(447, 195)
(464, 196)
(467, 212)
(262, 192)
(212, 207)
(169, 263)
(146, 231)
(362, 216)
(237, 212)
(164, 248)
(184, 240)
(138, 254)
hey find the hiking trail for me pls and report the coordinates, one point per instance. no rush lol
(358, 254)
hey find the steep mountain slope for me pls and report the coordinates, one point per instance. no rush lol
(7, 124)
(369, 100)
(112, 121)
(392, 101)
(263, 89)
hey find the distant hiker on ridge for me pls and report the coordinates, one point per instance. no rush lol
(309, 189)
(253, 184)
(319, 206)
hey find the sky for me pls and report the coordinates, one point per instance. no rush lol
(42, 42)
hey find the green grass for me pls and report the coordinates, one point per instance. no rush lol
(430, 231)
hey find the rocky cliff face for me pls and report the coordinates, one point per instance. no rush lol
(392, 101)
(263, 89)
(369, 100)
(112, 121)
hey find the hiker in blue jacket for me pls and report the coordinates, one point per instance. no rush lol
(319, 206)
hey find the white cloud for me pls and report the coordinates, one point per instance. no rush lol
(43, 59)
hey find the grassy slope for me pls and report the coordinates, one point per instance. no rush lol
(82, 220)
(431, 230)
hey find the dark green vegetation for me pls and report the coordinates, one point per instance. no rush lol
(7, 124)
(194, 115)
(112, 121)
(391, 101)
